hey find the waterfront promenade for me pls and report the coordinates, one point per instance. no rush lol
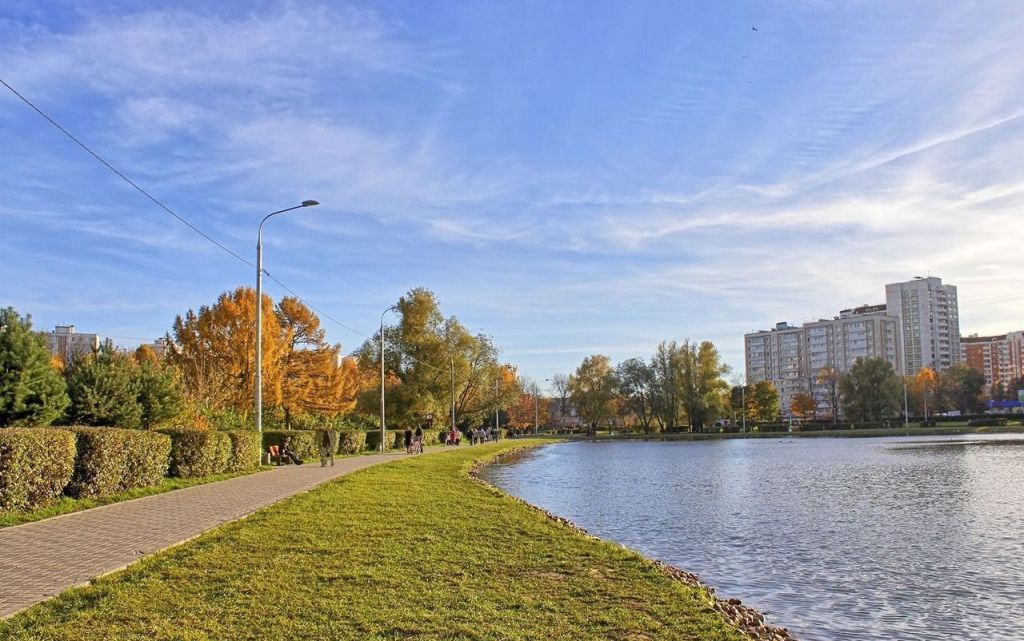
(42, 559)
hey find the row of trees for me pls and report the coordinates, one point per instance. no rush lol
(423, 353)
(207, 375)
(681, 384)
(107, 387)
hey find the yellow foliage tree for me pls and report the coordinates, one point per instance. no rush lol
(803, 406)
(213, 350)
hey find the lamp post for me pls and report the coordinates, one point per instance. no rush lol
(259, 315)
(383, 430)
(451, 356)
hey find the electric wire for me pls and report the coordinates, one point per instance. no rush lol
(185, 222)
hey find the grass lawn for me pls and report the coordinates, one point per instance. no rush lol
(67, 505)
(410, 549)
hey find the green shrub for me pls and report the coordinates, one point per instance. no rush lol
(112, 460)
(197, 453)
(245, 450)
(35, 466)
(395, 439)
(351, 441)
(305, 443)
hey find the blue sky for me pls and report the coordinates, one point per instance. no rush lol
(568, 177)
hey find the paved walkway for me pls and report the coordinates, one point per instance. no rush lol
(42, 559)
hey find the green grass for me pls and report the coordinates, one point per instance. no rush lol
(67, 505)
(410, 549)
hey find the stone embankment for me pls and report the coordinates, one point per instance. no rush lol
(745, 618)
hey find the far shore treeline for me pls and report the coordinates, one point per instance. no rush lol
(205, 380)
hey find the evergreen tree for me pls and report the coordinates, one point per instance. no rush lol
(159, 394)
(104, 390)
(31, 389)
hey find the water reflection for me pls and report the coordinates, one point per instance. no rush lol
(910, 539)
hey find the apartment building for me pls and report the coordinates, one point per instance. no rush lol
(66, 343)
(929, 317)
(999, 358)
(791, 357)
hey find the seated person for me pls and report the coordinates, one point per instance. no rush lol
(286, 450)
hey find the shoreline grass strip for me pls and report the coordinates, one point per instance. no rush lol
(411, 549)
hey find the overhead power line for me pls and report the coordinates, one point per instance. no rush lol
(188, 224)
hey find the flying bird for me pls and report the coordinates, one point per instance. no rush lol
(754, 28)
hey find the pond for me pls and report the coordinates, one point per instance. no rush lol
(835, 539)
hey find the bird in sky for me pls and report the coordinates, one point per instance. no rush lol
(754, 28)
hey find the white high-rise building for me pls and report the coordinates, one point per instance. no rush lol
(929, 318)
(791, 358)
(66, 343)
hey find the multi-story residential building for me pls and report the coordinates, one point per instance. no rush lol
(66, 343)
(929, 318)
(791, 357)
(999, 358)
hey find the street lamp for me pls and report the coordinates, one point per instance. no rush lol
(383, 431)
(259, 315)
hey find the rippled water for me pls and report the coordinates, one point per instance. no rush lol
(897, 539)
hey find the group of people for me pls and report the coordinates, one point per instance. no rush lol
(414, 440)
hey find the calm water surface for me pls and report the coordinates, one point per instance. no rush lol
(837, 539)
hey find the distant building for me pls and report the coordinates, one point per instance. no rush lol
(999, 358)
(929, 316)
(66, 343)
(791, 357)
(159, 347)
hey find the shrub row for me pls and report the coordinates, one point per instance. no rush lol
(114, 460)
(351, 441)
(35, 466)
(38, 465)
(197, 453)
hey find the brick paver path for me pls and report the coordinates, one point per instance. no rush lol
(40, 560)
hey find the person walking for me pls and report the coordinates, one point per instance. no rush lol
(418, 440)
(326, 448)
(408, 441)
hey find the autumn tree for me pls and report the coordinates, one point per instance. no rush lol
(638, 386)
(922, 390)
(32, 391)
(421, 353)
(762, 402)
(560, 383)
(870, 391)
(689, 382)
(593, 389)
(828, 381)
(529, 411)
(803, 406)
(213, 349)
(961, 388)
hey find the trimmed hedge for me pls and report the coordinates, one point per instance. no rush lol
(197, 453)
(351, 441)
(305, 443)
(245, 450)
(35, 466)
(395, 440)
(112, 460)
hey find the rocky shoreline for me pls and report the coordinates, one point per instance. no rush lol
(747, 619)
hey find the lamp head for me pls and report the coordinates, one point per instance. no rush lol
(310, 203)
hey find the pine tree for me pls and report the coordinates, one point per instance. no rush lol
(32, 391)
(159, 394)
(104, 390)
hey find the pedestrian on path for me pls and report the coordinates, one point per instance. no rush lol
(326, 448)
(408, 441)
(417, 442)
